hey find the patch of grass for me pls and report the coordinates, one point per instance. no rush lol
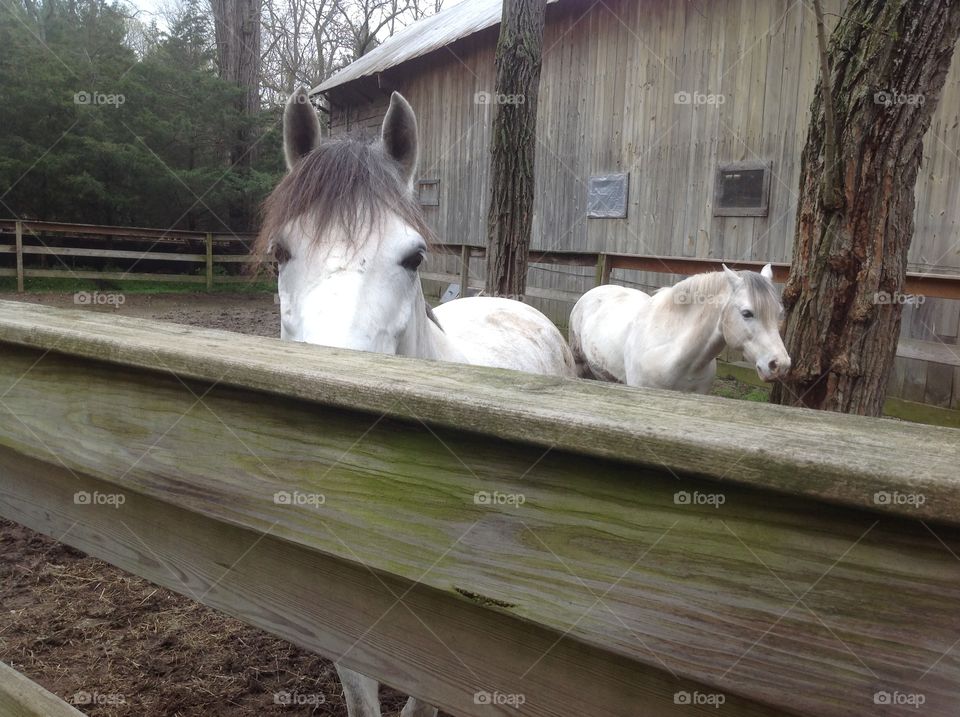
(729, 387)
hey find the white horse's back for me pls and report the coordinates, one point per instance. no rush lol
(503, 333)
(599, 324)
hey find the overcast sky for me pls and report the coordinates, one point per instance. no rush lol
(150, 9)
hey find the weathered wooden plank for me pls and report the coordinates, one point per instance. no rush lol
(21, 697)
(440, 645)
(38, 227)
(934, 351)
(148, 255)
(112, 275)
(706, 590)
(829, 456)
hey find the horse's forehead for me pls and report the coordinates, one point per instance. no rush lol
(334, 241)
(744, 293)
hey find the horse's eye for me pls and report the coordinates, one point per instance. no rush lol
(747, 314)
(412, 262)
(280, 254)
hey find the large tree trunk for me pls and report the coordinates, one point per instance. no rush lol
(237, 30)
(889, 60)
(513, 146)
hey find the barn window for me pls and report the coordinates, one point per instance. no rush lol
(428, 192)
(743, 189)
(607, 196)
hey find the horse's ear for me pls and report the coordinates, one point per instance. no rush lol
(399, 136)
(732, 277)
(767, 272)
(301, 128)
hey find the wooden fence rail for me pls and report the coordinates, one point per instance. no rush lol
(21, 697)
(946, 286)
(166, 245)
(461, 532)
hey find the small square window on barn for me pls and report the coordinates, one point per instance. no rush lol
(428, 192)
(607, 196)
(742, 189)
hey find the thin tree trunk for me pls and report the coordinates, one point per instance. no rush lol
(513, 147)
(889, 60)
(237, 30)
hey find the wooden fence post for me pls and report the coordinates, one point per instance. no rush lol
(209, 261)
(465, 252)
(19, 257)
(603, 269)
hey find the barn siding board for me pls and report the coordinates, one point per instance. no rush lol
(610, 74)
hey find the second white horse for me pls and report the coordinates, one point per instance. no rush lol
(672, 339)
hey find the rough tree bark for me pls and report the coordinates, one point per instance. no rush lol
(237, 32)
(889, 60)
(513, 146)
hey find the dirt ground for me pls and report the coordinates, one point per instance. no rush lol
(114, 644)
(256, 314)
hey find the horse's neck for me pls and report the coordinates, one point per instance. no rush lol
(701, 334)
(424, 339)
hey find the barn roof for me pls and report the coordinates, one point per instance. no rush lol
(431, 33)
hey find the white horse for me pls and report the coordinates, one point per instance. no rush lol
(348, 235)
(672, 339)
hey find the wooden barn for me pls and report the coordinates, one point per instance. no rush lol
(668, 128)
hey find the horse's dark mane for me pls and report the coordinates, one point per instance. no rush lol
(343, 183)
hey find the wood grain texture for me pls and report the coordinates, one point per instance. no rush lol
(425, 642)
(770, 589)
(19, 249)
(21, 697)
(830, 457)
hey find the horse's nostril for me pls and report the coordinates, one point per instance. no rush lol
(773, 365)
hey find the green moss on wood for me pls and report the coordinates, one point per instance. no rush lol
(483, 600)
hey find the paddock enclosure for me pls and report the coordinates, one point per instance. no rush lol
(457, 531)
(147, 254)
(662, 99)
